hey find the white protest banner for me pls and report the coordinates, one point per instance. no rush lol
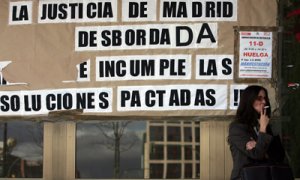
(195, 10)
(214, 67)
(143, 67)
(84, 71)
(43, 101)
(172, 97)
(138, 10)
(76, 11)
(20, 12)
(152, 36)
(172, 55)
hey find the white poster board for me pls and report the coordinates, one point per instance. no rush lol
(255, 54)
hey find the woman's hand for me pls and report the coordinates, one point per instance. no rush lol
(264, 120)
(250, 145)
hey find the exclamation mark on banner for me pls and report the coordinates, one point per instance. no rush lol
(236, 96)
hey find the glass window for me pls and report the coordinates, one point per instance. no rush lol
(188, 170)
(110, 149)
(188, 134)
(197, 134)
(156, 133)
(125, 150)
(188, 155)
(156, 171)
(174, 152)
(174, 133)
(197, 152)
(174, 171)
(157, 152)
(197, 170)
(21, 149)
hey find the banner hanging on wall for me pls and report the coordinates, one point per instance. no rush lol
(129, 57)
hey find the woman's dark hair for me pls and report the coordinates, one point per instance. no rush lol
(246, 114)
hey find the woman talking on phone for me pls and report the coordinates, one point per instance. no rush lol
(250, 136)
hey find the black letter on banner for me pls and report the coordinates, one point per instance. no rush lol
(44, 12)
(91, 13)
(140, 37)
(130, 37)
(5, 104)
(161, 97)
(182, 10)
(181, 67)
(102, 68)
(15, 103)
(164, 64)
(174, 98)
(197, 9)
(104, 102)
(116, 38)
(125, 96)
(52, 11)
(148, 101)
(205, 27)
(143, 9)
(212, 100)
(225, 64)
(105, 35)
(90, 100)
(81, 101)
(199, 98)
(136, 99)
(148, 67)
(154, 36)
(178, 29)
(26, 103)
(107, 9)
(63, 12)
(67, 101)
(49, 98)
(201, 67)
(79, 10)
(135, 68)
(165, 37)
(23, 13)
(121, 68)
(185, 97)
(82, 70)
(210, 9)
(110, 68)
(227, 9)
(169, 9)
(212, 67)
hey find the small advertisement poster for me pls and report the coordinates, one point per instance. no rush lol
(255, 54)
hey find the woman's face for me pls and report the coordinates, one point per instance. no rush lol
(260, 101)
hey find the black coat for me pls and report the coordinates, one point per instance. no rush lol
(268, 147)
